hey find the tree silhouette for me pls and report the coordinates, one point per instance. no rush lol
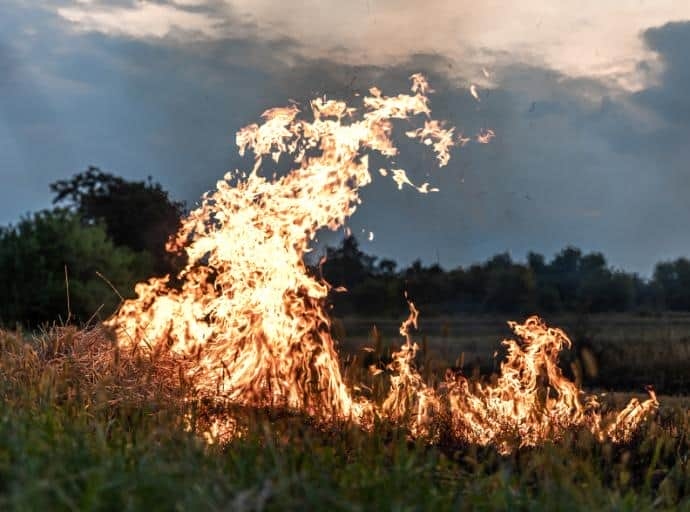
(347, 265)
(674, 280)
(137, 214)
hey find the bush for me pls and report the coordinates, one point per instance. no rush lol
(33, 257)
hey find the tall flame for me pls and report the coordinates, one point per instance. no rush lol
(252, 317)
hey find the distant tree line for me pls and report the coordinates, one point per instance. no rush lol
(570, 282)
(77, 261)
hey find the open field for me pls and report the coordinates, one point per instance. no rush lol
(79, 431)
(624, 351)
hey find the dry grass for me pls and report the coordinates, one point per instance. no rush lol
(89, 365)
(85, 426)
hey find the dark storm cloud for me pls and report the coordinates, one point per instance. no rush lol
(670, 98)
(659, 146)
(573, 162)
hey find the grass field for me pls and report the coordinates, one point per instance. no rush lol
(629, 351)
(83, 429)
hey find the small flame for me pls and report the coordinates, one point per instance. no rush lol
(485, 136)
(531, 401)
(400, 177)
(474, 93)
(434, 134)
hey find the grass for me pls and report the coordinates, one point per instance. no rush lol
(82, 427)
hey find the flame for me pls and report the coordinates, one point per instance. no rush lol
(529, 402)
(485, 136)
(434, 134)
(250, 315)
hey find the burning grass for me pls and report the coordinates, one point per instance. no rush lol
(251, 319)
(86, 426)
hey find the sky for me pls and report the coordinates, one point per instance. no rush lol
(588, 101)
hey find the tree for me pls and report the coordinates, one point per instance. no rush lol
(674, 280)
(429, 286)
(564, 270)
(137, 214)
(347, 265)
(386, 267)
(509, 286)
(547, 295)
(33, 257)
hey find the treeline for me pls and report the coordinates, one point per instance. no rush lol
(77, 261)
(570, 282)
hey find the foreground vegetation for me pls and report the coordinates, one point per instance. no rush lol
(82, 427)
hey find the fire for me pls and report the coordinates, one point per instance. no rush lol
(250, 315)
(529, 402)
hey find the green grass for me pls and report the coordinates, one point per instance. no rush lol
(82, 429)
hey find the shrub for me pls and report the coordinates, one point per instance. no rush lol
(33, 258)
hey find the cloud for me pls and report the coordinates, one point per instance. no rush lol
(578, 158)
(140, 20)
(669, 98)
(576, 39)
